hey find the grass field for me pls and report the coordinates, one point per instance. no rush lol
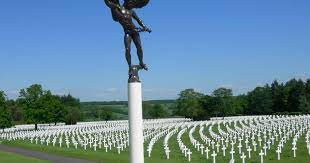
(176, 155)
(6, 157)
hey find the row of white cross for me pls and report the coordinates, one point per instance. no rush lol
(234, 138)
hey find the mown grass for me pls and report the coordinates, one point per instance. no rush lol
(6, 157)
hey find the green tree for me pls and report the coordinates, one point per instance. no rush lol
(107, 115)
(295, 89)
(189, 104)
(240, 104)
(304, 105)
(208, 104)
(308, 89)
(146, 110)
(16, 111)
(73, 115)
(260, 101)
(279, 97)
(224, 101)
(158, 111)
(73, 110)
(29, 100)
(5, 115)
(56, 111)
(222, 93)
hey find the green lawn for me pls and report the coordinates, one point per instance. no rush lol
(6, 157)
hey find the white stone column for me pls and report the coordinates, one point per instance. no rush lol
(135, 122)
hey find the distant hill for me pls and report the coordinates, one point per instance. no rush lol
(118, 108)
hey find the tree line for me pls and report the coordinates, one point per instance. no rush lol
(292, 97)
(35, 105)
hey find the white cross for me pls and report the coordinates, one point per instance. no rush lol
(198, 146)
(265, 149)
(232, 153)
(100, 143)
(246, 143)
(85, 145)
(268, 142)
(224, 150)
(189, 153)
(261, 156)
(260, 141)
(249, 151)
(243, 157)
(95, 146)
(207, 152)
(254, 145)
(106, 147)
(202, 147)
(294, 149)
(167, 153)
(149, 151)
(119, 149)
(239, 146)
(279, 152)
(217, 147)
(214, 155)
(212, 143)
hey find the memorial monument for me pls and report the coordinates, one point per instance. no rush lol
(124, 14)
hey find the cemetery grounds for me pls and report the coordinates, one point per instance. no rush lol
(246, 139)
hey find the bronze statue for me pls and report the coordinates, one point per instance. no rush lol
(124, 15)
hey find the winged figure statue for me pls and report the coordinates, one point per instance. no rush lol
(124, 14)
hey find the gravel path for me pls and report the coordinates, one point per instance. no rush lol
(42, 155)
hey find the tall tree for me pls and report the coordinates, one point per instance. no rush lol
(73, 116)
(5, 116)
(304, 105)
(224, 101)
(308, 89)
(240, 104)
(295, 90)
(222, 92)
(56, 111)
(278, 97)
(208, 104)
(260, 101)
(29, 100)
(16, 111)
(188, 104)
(72, 106)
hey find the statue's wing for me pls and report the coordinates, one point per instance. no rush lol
(113, 4)
(130, 4)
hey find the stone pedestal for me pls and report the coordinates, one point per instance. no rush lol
(135, 119)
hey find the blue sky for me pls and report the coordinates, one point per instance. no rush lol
(73, 46)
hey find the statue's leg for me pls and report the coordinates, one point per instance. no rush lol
(127, 41)
(137, 41)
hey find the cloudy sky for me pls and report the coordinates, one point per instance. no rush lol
(73, 46)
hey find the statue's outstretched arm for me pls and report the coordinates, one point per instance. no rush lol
(110, 4)
(140, 22)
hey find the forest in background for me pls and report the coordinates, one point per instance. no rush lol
(36, 105)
